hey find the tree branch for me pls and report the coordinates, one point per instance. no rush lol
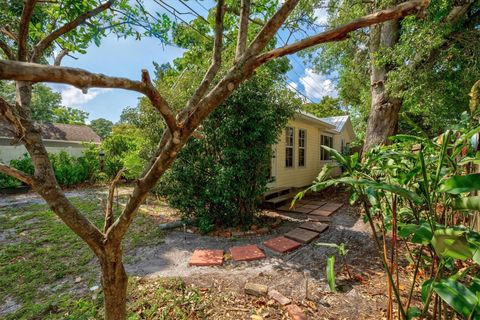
(111, 194)
(6, 49)
(17, 174)
(9, 34)
(49, 39)
(24, 71)
(23, 29)
(243, 28)
(59, 57)
(237, 12)
(216, 59)
(341, 32)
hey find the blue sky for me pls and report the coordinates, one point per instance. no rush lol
(126, 58)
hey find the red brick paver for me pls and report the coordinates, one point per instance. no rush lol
(295, 312)
(246, 253)
(206, 258)
(302, 235)
(282, 244)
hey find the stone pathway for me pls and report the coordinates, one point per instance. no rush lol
(292, 240)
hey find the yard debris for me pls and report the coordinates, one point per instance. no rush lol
(256, 289)
(296, 312)
(277, 296)
(78, 279)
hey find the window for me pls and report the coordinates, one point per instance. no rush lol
(325, 141)
(289, 139)
(302, 138)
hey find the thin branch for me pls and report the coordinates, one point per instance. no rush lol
(111, 194)
(23, 29)
(17, 174)
(237, 12)
(23, 71)
(216, 60)
(59, 57)
(243, 29)
(6, 49)
(9, 34)
(342, 32)
(49, 39)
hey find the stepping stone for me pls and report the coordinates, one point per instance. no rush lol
(318, 203)
(246, 253)
(333, 206)
(314, 226)
(302, 210)
(322, 212)
(319, 218)
(311, 206)
(285, 207)
(206, 258)
(282, 244)
(302, 201)
(302, 235)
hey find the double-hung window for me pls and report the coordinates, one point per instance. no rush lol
(289, 142)
(325, 141)
(302, 139)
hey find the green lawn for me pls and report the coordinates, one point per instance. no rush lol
(48, 270)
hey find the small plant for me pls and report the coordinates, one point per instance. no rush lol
(330, 269)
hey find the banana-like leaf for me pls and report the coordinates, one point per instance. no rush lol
(383, 186)
(421, 233)
(338, 156)
(459, 297)
(461, 184)
(467, 203)
(331, 273)
(426, 287)
(451, 243)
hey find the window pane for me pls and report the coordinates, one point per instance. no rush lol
(301, 157)
(289, 157)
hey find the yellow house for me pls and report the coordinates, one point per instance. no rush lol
(298, 157)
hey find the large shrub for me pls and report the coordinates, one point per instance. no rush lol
(220, 178)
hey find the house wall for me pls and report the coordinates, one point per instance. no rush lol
(301, 176)
(9, 152)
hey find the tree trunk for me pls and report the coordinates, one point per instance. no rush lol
(383, 118)
(114, 283)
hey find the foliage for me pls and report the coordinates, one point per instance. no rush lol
(341, 250)
(327, 107)
(102, 127)
(434, 63)
(46, 105)
(231, 162)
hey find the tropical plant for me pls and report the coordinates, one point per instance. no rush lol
(421, 190)
(341, 250)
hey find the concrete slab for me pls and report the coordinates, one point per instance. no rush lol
(246, 253)
(302, 235)
(314, 226)
(282, 244)
(207, 257)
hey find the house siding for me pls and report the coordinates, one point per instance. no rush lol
(298, 176)
(10, 152)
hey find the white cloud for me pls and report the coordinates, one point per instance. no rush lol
(74, 97)
(321, 16)
(317, 86)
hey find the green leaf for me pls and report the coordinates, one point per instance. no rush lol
(467, 203)
(461, 184)
(451, 243)
(413, 312)
(426, 285)
(459, 297)
(331, 273)
(421, 233)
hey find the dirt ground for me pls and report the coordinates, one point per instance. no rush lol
(299, 275)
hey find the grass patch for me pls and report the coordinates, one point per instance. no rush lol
(40, 258)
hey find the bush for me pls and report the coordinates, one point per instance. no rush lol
(219, 179)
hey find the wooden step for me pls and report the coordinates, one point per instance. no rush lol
(281, 199)
(276, 192)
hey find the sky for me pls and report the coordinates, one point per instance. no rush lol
(127, 57)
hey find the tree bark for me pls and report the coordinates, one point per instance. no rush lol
(383, 119)
(114, 282)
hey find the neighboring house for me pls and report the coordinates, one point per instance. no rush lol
(298, 157)
(56, 137)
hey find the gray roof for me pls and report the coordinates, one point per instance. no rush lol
(338, 122)
(316, 119)
(57, 131)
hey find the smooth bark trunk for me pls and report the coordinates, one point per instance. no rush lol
(383, 118)
(114, 283)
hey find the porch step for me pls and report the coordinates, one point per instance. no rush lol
(276, 192)
(274, 202)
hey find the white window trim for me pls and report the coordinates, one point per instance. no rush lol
(292, 146)
(304, 148)
(321, 149)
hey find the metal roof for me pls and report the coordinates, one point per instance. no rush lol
(338, 122)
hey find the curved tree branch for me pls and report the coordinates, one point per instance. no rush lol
(58, 59)
(49, 39)
(24, 71)
(17, 174)
(243, 28)
(6, 49)
(23, 29)
(341, 32)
